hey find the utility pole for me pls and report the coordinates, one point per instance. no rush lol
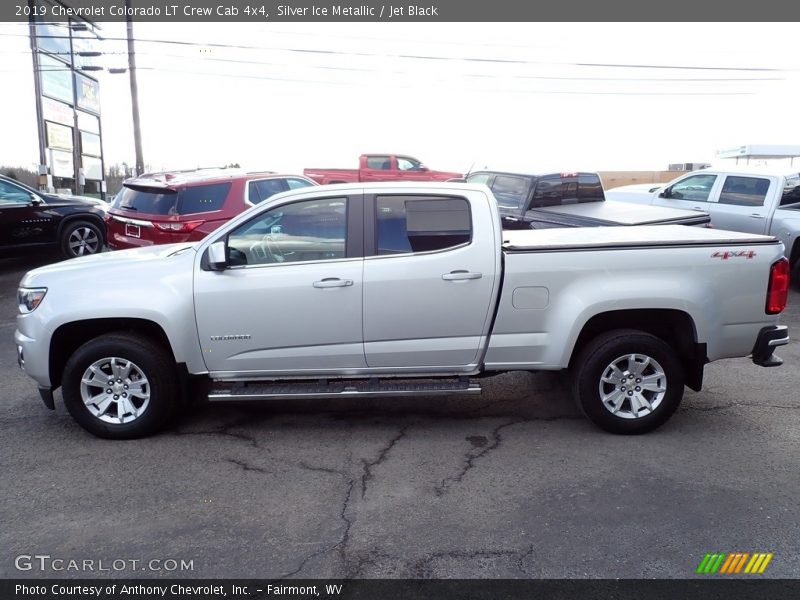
(137, 134)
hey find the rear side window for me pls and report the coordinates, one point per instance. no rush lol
(156, 201)
(791, 192)
(258, 191)
(744, 191)
(510, 191)
(295, 183)
(379, 162)
(416, 224)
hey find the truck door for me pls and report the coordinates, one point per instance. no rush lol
(693, 192)
(377, 167)
(742, 204)
(430, 279)
(290, 300)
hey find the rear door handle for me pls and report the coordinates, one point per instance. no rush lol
(756, 216)
(461, 275)
(330, 282)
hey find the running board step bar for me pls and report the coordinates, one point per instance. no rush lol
(341, 389)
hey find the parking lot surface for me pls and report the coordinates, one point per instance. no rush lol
(513, 483)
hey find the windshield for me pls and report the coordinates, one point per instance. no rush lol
(161, 201)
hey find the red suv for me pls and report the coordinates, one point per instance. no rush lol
(185, 206)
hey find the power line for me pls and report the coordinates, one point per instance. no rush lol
(421, 56)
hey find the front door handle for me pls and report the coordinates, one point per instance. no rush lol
(461, 275)
(330, 282)
(756, 216)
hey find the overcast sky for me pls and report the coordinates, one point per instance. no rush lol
(527, 96)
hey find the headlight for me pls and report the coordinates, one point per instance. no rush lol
(30, 298)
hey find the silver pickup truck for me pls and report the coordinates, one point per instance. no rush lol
(748, 199)
(390, 289)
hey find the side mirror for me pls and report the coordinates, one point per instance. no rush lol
(217, 256)
(423, 168)
(664, 194)
(35, 200)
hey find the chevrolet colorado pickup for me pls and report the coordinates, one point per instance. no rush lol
(748, 199)
(380, 167)
(397, 289)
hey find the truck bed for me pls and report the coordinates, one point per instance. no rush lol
(624, 213)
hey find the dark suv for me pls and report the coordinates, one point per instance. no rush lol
(32, 219)
(185, 206)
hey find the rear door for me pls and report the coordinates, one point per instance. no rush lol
(429, 279)
(21, 221)
(742, 203)
(379, 167)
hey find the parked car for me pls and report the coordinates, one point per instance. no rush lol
(750, 199)
(569, 200)
(380, 167)
(31, 219)
(185, 206)
(398, 289)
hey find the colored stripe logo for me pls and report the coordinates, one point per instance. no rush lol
(731, 563)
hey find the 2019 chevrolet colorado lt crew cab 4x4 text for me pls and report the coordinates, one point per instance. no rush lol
(388, 289)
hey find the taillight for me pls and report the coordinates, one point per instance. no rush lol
(778, 289)
(178, 227)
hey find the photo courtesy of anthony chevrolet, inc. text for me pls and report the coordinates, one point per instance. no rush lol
(443, 300)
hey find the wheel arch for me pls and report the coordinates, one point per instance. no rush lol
(92, 218)
(675, 327)
(67, 338)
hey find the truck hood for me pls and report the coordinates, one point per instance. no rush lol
(140, 261)
(623, 213)
(615, 237)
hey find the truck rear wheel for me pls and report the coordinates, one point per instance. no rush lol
(627, 381)
(119, 386)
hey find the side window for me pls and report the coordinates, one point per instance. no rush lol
(304, 231)
(202, 198)
(407, 164)
(549, 192)
(791, 191)
(379, 162)
(416, 224)
(744, 191)
(510, 191)
(295, 183)
(11, 194)
(264, 188)
(479, 178)
(252, 193)
(696, 188)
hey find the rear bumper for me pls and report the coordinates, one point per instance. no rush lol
(768, 339)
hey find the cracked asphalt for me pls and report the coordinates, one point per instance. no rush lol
(513, 483)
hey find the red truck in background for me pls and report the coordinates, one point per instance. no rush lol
(380, 167)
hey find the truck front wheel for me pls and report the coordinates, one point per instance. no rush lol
(627, 381)
(119, 386)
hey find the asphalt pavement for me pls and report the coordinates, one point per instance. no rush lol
(513, 483)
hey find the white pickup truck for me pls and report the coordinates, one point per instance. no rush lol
(749, 199)
(389, 289)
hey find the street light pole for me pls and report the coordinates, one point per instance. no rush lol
(137, 134)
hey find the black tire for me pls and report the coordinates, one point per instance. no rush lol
(148, 359)
(81, 238)
(595, 360)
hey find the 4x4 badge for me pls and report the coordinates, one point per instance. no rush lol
(748, 254)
